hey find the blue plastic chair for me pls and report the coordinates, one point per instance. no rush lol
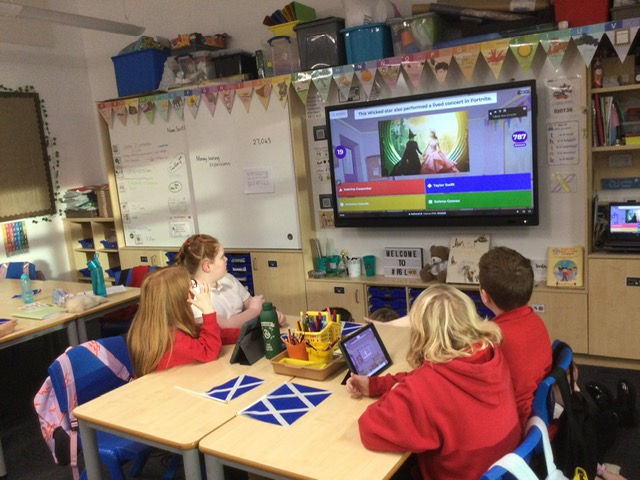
(531, 444)
(92, 379)
(544, 399)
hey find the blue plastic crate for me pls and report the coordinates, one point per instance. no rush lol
(85, 272)
(139, 71)
(86, 243)
(387, 292)
(367, 42)
(171, 257)
(109, 245)
(112, 272)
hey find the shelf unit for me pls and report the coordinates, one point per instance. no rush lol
(613, 278)
(93, 230)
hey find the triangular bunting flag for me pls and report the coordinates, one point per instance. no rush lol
(322, 80)
(587, 39)
(132, 109)
(177, 103)
(389, 69)
(366, 73)
(147, 107)
(524, 49)
(621, 38)
(210, 96)
(263, 91)
(245, 94)
(234, 388)
(466, 57)
(413, 66)
(192, 98)
(282, 88)
(106, 111)
(555, 43)
(301, 82)
(121, 111)
(162, 105)
(343, 76)
(494, 52)
(439, 61)
(228, 94)
(286, 404)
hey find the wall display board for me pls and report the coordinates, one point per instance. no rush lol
(227, 172)
(154, 187)
(243, 175)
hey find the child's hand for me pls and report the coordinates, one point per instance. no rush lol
(358, 386)
(201, 297)
(8, 327)
(255, 304)
(282, 320)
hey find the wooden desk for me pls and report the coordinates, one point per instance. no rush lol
(153, 411)
(322, 444)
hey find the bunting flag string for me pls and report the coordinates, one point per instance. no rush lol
(621, 34)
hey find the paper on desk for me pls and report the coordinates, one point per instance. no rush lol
(231, 389)
(110, 290)
(286, 404)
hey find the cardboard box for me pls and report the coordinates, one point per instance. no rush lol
(104, 202)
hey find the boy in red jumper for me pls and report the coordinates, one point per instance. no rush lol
(506, 284)
(456, 410)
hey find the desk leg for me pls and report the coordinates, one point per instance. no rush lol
(90, 452)
(72, 333)
(3, 466)
(215, 471)
(81, 327)
(192, 467)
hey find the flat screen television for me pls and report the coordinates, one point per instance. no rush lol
(453, 158)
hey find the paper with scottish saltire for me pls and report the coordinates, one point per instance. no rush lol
(286, 404)
(231, 389)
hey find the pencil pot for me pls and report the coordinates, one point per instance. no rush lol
(324, 337)
(319, 355)
(298, 351)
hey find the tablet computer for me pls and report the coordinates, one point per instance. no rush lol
(250, 346)
(364, 352)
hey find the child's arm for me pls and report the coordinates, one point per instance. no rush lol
(358, 386)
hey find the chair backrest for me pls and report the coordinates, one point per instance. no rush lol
(16, 269)
(532, 442)
(562, 355)
(132, 277)
(544, 400)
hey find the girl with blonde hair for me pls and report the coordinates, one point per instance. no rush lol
(456, 410)
(164, 333)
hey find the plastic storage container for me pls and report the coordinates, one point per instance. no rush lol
(237, 63)
(367, 42)
(415, 34)
(320, 43)
(282, 57)
(138, 72)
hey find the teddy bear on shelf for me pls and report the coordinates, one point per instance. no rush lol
(436, 269)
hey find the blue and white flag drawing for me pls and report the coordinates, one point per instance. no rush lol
(350, 327)
(286, 404)
(231, 389)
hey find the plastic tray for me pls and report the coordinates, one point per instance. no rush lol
(306, 372)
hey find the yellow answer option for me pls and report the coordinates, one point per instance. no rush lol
(383, 203)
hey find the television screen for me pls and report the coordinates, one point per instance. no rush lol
(456, 158)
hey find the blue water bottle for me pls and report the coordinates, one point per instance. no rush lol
(26, 289)
(97, 277)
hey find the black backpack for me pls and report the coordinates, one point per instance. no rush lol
(584, 434)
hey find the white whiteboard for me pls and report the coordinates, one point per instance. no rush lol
(243, 175)
(230, 175)
(152, 174)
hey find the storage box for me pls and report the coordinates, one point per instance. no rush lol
(284, 29)
(367, 42)
(627, 11)
(139, 72)
(282, 56)
(327, 335)
(320, 43)
(589, 12)
(236, 63)
(282, 364)
(415, 34)
(104, 202)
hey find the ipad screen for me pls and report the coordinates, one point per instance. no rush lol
(364, 351)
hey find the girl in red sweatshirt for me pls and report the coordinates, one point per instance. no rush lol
(456, 410)
(164, 333)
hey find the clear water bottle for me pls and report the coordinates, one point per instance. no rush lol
(270, 330)
(26, 289)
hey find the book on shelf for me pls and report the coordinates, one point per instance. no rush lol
(565, 266)
(464, 255)
(38, 311)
